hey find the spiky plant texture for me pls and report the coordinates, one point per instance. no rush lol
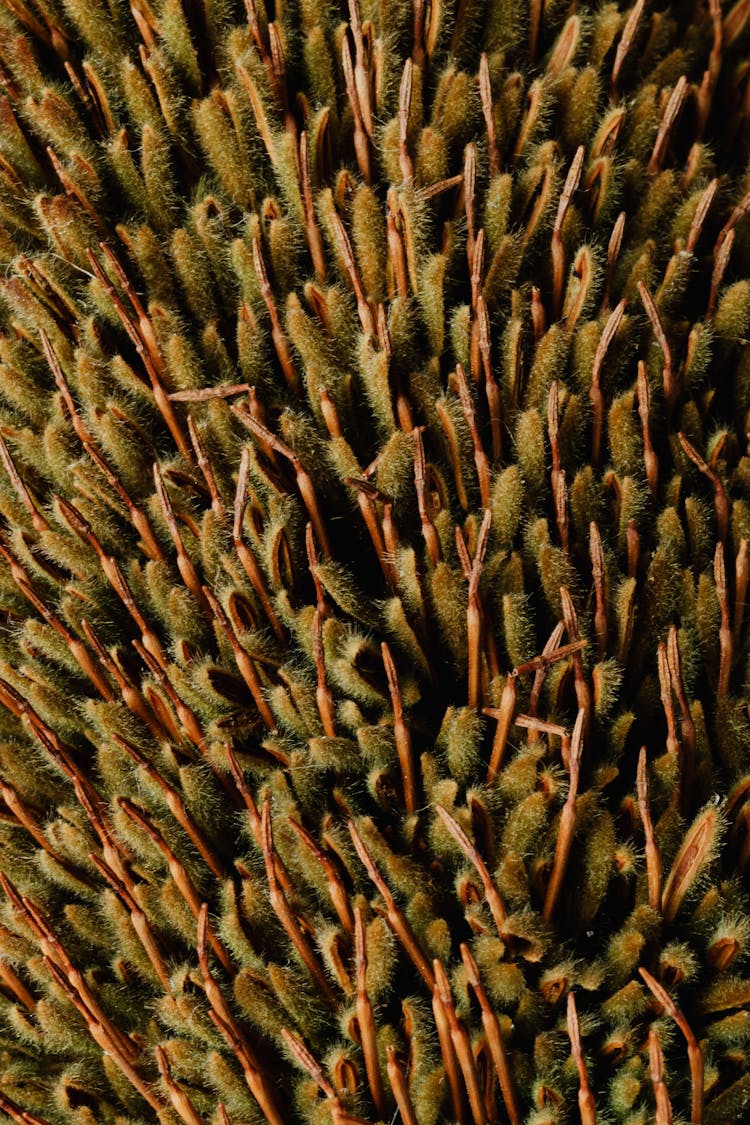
(375, 493)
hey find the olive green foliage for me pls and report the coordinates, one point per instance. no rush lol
(374, 520)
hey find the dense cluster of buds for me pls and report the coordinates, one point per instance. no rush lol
(374, 523)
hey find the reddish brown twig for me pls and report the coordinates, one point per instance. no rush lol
(687, 726)
(656, 1067)
(401, 733)
(307, 1061)
(19, 1115)
(245, 555)
(741, 582)
(338, 892)
(475, 619)
(312, 230)
(284, 912)
(420, 483)
(485, 93)
(37, 519)
(395, 917)
(177, 807)
(366, 1020)
(558, 256)
(613, 253)
(586, 1102)
(651, 461)
(667, 124)
(665, 687)
(143, 337)
(177, 871)
(461, 1044)
(725, 631)
(221, 1014)
(323, 696)
(626, 42)
(504, 717)
(583, 691)
(721, 500)
(653, 857)
(481, 459)
(125, 889)
(721, 261)
(491, 893)
(566, 827)
(595, 392)
(364, 310)
(400, 1088)
(668, 379)
(699, 218)
(242, 658)
(495, 1041)
(404, 108)
(280, 342)
(304, 481)
(599, 574)
(181, 1103)
(540, 674)
(185, 564)
(695, 1055)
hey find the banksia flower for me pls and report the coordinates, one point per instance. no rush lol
(375, 497)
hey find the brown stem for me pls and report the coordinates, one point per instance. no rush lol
(626, 42)
(586, 1102)
(667, 124)
(656, 1067)
(400, 1088)
(558, 255)
(284, 912)
(420, 484)
(401, 732)
(395, 917)
(461, 1044)
(653, 857)
(650, 459)
(491, 893)
(725, 631)
(695, 1055)
(741, 582)
(668, 380)
(566, 828)
(504, 716)
(366, 1020)
(181, 1103)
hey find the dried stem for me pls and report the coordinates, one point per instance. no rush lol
(721, 500)
(395, 917)
(668, 379)
(366, 1020)
(401, 732)
(656, 1067)
(653, 857)
(586, 1103)
(400, 1088)
(566, 828)
(284, 912)
(504, 717)
(650, 459)
(725, 631)
(491, 893)
(695, 1055)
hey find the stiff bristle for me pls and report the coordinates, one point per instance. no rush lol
(374, 522)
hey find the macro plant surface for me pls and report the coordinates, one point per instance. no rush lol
(375, 497)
